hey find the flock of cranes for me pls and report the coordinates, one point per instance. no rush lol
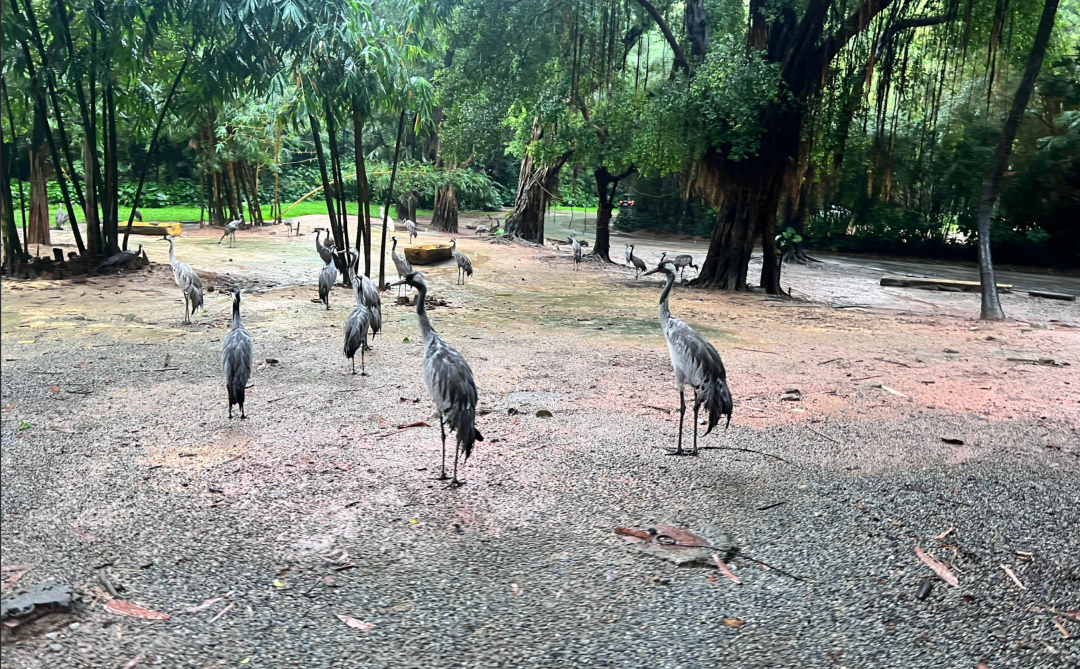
(449, 379)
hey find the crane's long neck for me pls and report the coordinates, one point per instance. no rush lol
(318, 246)
(172, 252)
(236, 323)
(665, 313)
(426, 331)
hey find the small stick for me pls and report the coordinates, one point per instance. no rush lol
(221, 613)
(104, 580)
(754, 350)
(863, 378)
(828, 361)
(1012, 575)
(893, 362)
(946, 533)
(771, 506)
(832, 439)
(747, 450)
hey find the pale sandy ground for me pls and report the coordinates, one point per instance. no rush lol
(128, 463)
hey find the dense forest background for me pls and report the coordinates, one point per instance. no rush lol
(858, 126)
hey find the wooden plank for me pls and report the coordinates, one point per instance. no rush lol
(1052, 296)
(427, 254)
(930, 283)
(156, 229)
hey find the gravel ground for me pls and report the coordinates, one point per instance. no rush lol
(112, 458)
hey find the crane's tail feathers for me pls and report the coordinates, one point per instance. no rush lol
(717, 400)
(196, 297)
(467, 434)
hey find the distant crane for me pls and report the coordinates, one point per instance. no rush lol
(372, 300)
(681, 262)
(61, 218)
(326, 251)
(187, 280)
(576, 246)
(357, 325)
(389, 220)
(402, 265)
(289, 223)
(481, 228)
(464, 265)
(696, 363)
(237, 355)
(119, 259)
(327, 278)
(230, 231)
(638, 263)
(411, 227)
(450, 383)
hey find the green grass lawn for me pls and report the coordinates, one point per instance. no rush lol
(191, 213)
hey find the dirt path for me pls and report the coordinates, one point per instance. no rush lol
(117, 452)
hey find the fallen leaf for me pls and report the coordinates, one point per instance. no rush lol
(734, 622)
(133, 661)
(543, 413)
(939, 569)
(381, 419)
(945, 533)
(278, 583)
(271, 361)
(953, 440)
(628, 532)
(205, 605)
(55, 389)
(26, 341)
(890, 390)
(122, 608)
(23, 425)
(342, 467)
(725, 570)
(355, 623)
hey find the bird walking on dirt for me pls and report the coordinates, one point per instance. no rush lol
(370, 294)
(357, 325)
(681, 262)
(464, 265)
(119, 259)
(326, 251)
(450, 383)
(230, 231)
(187, 280)
(403, 267)
(411, 227)
(576, 246)
(638, 263)
(696, 363)
(327, 278)
(61, 218)
(237, 355)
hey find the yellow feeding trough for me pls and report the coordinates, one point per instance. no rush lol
(156, 229)
(427, 254)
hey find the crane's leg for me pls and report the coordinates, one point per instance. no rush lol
(362, 372)
(697, 407)
(682, 413)
(230, 411)
(353, 360)
(455, 480)
(442, 471)
(242, 416)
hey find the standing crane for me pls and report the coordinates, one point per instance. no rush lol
(327, 278)
(411, 227)
(356, 327)
(237, 355)
(390, 227)
(464, 265)
(187, 280)
(450, 383)
(326, 251)
(119, 259)
(695, 362)
(61, 218)
(230, 231)
(576, 246)
(402, 265)
(372, 300)
(638, 263)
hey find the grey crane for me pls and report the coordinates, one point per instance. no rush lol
(187, 280)
(411, 227)
(696, 363)
(61, 218)
(326, 251)
(481, 228)
(464, 265)
(357, 325)
(372, 300)
(327, 278)
(118, 259)
(237, 355)
(402, 265)
(230, 231)
(681, 262)
(450, 383)
(576, 246)
(289, 223)
(638, 263)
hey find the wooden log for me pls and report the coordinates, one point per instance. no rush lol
(157, 229)
(427, 254)
(1052, 296)
(930, 283)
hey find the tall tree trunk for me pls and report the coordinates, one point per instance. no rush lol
(338, 178)
(277, 174)
(93, 226)
(112, 220)
(536, 186)
(607, 185)
(38, 232)
(363, 192)
(445, 215)
(390, 199)
(328, 195)
(991, 303)
(407, 207)
(235, 205)
(10, 233)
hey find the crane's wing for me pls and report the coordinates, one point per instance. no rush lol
(449, 380)
(693, 356)
(237, 354)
